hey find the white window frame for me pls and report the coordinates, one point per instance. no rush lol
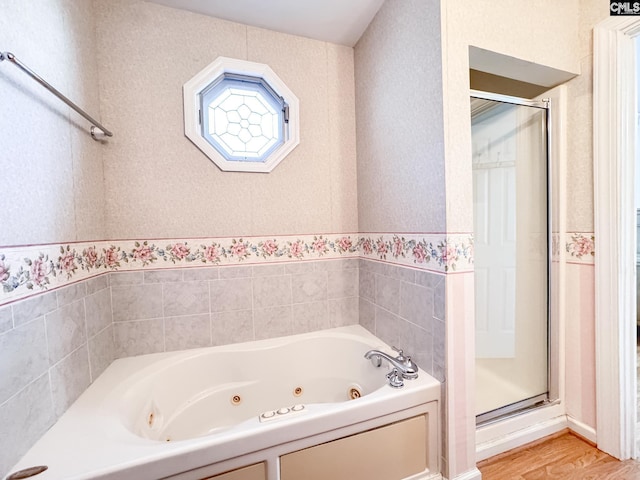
(192, 115)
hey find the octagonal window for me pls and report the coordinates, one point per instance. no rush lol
(243, 118)
(241, 115)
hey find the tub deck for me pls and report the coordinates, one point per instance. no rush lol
(92, 441)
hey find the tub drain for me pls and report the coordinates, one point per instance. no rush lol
(354, 393)
(151, 419)
(297, 391)
(27, 472)
(236, 400)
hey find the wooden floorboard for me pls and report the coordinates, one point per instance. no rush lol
(562, 456)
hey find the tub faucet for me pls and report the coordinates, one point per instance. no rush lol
(403, 364)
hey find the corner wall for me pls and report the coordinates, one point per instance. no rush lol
(52, 347)
(401, 185)
(398, 77)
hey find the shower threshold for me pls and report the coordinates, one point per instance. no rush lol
(512, 409)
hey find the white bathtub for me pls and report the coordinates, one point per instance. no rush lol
(196, 413)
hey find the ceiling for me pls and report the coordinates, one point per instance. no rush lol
(335, 21)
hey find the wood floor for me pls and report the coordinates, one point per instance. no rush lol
(561, 456)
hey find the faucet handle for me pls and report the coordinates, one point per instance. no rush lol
(395, 378)
(401, 357)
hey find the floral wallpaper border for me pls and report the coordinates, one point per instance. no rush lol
(436, 252)
(28, 270)
(580, 247)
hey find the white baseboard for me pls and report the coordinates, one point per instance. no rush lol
(518, 438)
(470, 475)
(425, 476)
(585, 431)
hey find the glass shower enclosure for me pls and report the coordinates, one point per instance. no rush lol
(512, 253)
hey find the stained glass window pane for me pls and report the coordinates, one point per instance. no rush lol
(243, 118)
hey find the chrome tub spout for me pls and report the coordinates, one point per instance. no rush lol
(405, 366)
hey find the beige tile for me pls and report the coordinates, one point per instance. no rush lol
(69, 378)
(337, 264)
(402, 273)
(271, 291)
(136, 302)
(6, 319)
(268, 270)
(191, 331)
(367, 315)
(389, 327)
(416, 304)
(418, 344)
(342, 283)
(232, 327)
(231, 294)
(24, 419)
(102, 352)
(428, 279)
(126, 278)
(196, 274)
(185, 298)
(310, 317)
(98, 283)
(343, 311)
(439, 301)
(163, 276)
(380, 268)
(388, 293)
(300, 268)
(98, 309)
(138, 338)
(32, 308)
(273, 322)
(364, 264)
(438, 372)
(367, 284)
(23, 357)
(235, 272)
(439, 341)
(71, 293)
(309, 287)
(66, 330)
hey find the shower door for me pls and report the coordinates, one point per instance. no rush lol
(510, 193)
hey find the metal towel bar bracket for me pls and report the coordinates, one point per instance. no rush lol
(98, 132)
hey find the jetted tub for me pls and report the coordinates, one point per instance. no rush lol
(197, 413)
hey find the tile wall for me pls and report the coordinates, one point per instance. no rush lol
(155, 311)
(52, 347)
(405, 307)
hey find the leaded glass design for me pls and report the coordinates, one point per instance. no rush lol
(241, 115)
(242, 118)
